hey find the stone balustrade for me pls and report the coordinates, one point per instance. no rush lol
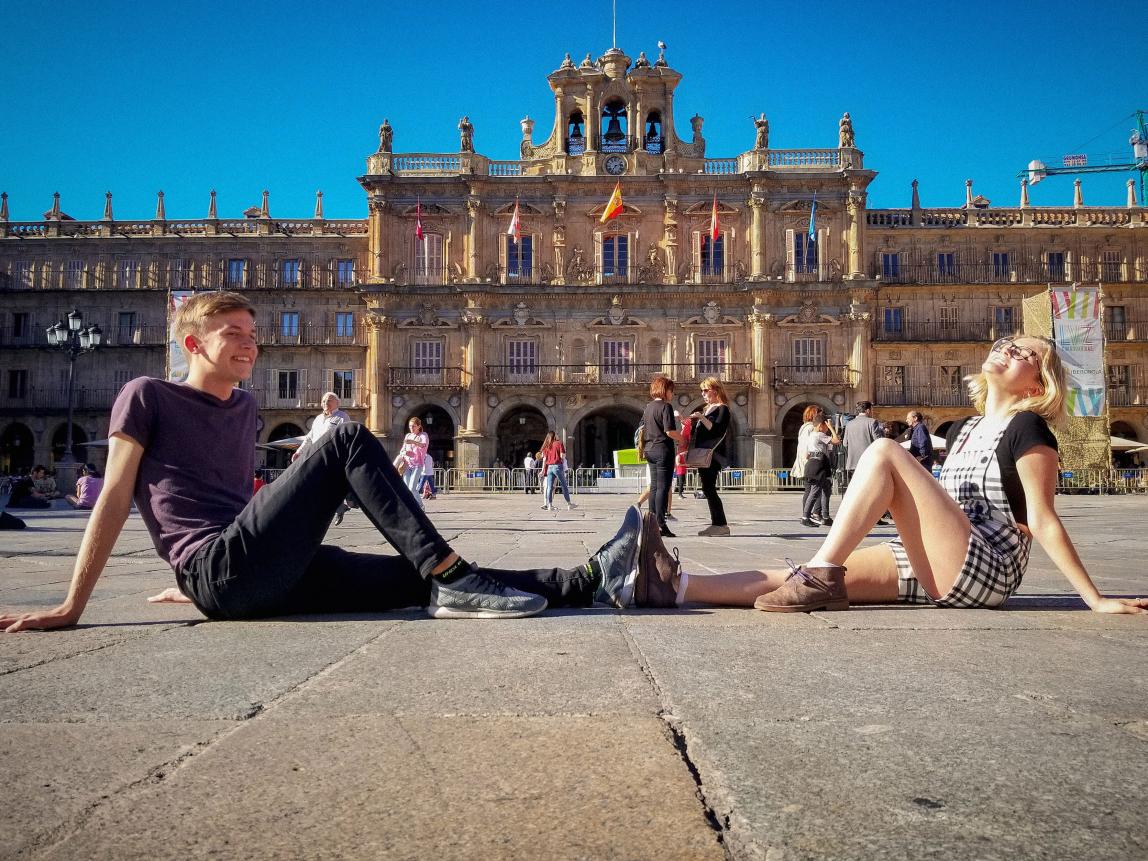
(995, 217)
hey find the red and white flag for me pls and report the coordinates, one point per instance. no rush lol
(515, 228)
(715, 224)
(419, 220)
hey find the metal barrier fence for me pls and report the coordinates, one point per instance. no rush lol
(633, 479)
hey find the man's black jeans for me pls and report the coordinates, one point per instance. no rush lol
(271, 560)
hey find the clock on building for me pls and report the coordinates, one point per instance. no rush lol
(615, 165)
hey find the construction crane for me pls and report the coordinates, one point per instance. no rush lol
(1079, 163)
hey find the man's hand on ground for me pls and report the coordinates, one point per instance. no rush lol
(42, 620)
(169, 596)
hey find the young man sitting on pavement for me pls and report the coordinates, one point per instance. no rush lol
(186, 452)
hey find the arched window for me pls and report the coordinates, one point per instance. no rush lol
(575, 139)
(654, 142)
(615, 137)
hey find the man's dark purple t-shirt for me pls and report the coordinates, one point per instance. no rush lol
(199, 456)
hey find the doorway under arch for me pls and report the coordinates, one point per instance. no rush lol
(601, 432)
(281, 458)
(790, 425)
(519, 431)
(439, 428)
(60, 442)
(16, 449)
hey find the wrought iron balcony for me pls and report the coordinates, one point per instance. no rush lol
(38, 399)
(304, 397)
(616, 373)
(427, 378)
(940, 395)
(928, 330)
(311, 336)
(1128, 329)
(1127, 396)
(814, 376)
(1014, 271)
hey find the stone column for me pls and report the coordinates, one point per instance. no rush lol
(376, 238)
(855, 208)
(757, 237)
(379, 411)
(470, 437)
(761, 396)
(473, 237)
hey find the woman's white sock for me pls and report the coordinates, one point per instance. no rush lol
(680, 597)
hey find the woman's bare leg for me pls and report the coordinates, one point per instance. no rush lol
(887, 479)
(933, 528)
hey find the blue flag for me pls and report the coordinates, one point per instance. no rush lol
(812, 220)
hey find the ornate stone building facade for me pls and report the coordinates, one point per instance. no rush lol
(430, 307)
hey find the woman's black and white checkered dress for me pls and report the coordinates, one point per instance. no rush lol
(998, 550)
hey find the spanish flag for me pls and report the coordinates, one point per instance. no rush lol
(614, 205)
(715, 224)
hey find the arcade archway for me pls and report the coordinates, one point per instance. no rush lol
(281, 458)
(439, 428)
(519, 431)
(60, 442)
(601, 432)
(16, 449)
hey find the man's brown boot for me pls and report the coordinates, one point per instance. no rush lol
(658, 570)
(807, 589)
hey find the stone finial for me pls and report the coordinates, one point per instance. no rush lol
(264, 207)
(1077, 194)
(1023, 193)
(587, 63)
(3, 206)
(54, 212)
(108, 207)
(160, 214)
(968, 194)
(211, 211)
(1131, 199)
(916, 204)
(567, 63)
(318, 205)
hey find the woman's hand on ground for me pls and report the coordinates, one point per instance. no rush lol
(169, 596)
(1121, 605)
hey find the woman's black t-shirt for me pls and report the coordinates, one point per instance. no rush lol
(715, 437)
(657, 419)
(1027, 429)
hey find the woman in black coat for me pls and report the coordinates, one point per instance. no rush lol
(660, 437)
(711, 431)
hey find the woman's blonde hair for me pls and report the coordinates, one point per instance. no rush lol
(1049, 404)
(714, 384)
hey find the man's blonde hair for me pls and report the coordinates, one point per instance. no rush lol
(192, 313)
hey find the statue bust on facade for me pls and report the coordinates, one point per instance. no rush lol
(846, 132)
(386, 135)
(466, 135)
(762, 126)
(641, 62)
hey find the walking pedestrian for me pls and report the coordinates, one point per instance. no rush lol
(711, 431)
(811, 418)
(818, 473)
(554, 462)
(859, 434)
(413, 454)
(530, 474)
(920, 440)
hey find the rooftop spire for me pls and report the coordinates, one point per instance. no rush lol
(968, 194)
(211, 213)
(108, 207)
(54, 212)
(1077, 194)
(160, 215)
(318, 204)
(264, 208)
(4, 206)
(1023, 193)
(916, 196)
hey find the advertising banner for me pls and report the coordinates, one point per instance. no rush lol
(1079, 339)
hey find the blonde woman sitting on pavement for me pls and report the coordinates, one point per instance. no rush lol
(962, 541)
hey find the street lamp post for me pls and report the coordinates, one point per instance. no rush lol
(70, 336)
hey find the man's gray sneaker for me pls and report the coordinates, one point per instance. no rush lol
(618, 561)
(474, 595)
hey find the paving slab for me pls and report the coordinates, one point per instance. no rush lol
(418, 787)
(889, 732)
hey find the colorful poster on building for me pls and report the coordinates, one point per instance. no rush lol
(1079, 339)
(176, 360)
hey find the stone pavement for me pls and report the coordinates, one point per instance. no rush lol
(705, 733)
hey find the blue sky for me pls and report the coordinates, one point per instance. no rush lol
(288, 96)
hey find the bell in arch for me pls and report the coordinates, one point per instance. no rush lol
(614, 129)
